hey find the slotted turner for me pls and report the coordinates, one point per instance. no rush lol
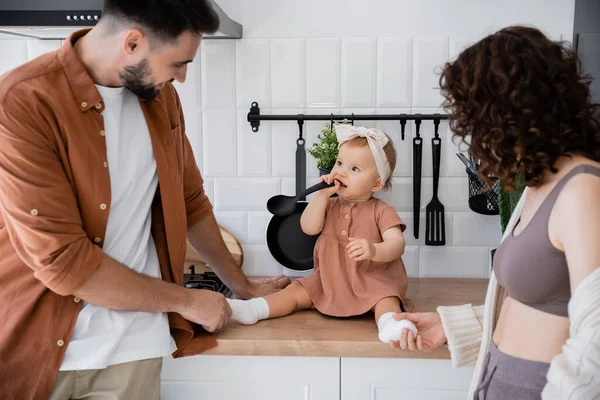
(435, 223)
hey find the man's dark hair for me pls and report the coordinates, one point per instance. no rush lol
(164, 19)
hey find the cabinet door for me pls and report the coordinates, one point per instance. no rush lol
(403, 379)
(250, 378)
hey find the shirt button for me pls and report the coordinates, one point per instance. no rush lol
(84, 104)
(103, 206)
(344, 233)
(76, 299)
(33, 212)
(347, 216)
(97, 240)
(60, 343)
(98, 106)
(105, 164)
(102, 133)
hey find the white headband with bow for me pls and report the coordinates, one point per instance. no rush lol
(376, 140)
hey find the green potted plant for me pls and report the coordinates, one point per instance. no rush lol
(325, 149)
(508, 201)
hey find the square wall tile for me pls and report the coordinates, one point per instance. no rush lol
(288, 73)
(190, 91)
(429, 56)
(359, 72)
(458, 43)
(394, 72)
(36, 48)
(245, 194)
(209, 189)
(193, 131)
(235, 222)
(18, 54)
(218, 74)
(323, 67)
(253, 66)
(253, 147)
(257, 227)
(403, 148)
(472, 229)
(258, 261)
(411, 261)
(454, 262)
(400, 196)
(219, 143)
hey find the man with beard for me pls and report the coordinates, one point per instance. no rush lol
(99, 191)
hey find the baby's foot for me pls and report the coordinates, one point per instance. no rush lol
(390, 329)
(249, 312)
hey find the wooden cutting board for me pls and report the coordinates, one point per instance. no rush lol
(192, 256)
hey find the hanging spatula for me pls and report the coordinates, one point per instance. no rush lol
(417, 155)
(435, 223)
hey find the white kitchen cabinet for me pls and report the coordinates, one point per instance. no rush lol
(250, 378)
(403, 379)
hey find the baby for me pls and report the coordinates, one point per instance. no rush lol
(357, 258)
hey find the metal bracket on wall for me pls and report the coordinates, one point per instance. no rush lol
(254, 117)
(254, 111)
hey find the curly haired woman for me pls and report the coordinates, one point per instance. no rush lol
(522, 104)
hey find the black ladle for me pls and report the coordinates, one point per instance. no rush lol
(281, 205)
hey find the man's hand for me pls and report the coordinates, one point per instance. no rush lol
(263, 287)
(430, 332)
(360, 249)
(206, 308)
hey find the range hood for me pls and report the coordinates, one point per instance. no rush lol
(57, 19)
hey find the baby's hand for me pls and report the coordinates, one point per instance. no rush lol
(328, 179)
(360, 249)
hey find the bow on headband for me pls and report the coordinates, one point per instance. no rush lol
(376, 140)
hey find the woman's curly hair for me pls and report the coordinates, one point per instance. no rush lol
(520, 101)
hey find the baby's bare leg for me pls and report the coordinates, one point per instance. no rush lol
(284, 302)
(389, 328)
(294, 297)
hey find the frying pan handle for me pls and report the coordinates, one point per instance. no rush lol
(300, 160)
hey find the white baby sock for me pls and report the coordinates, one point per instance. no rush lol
(390, 329)
(249, 312)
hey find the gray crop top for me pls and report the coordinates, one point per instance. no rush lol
(529, 267)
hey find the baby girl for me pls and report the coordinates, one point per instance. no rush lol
(357, 258)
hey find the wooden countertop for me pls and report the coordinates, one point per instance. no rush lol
(309, 333)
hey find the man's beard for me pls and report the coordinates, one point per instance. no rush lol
(133, 79)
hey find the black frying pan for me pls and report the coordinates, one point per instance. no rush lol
(291, 247)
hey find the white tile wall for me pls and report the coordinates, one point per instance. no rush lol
(429, 54)
(394, 72)
(319, 75)
(359, 66)
(219, 143)
(288, 73)
(323, 63)
(218, 74)
(253, 67)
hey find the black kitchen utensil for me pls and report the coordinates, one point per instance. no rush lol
(300, 160)
(470, 167)
(435, 224)
(291, 247)
(417, 157)
(281, 205)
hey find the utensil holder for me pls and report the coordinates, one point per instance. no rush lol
(483, 201)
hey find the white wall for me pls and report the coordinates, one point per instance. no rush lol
(330, 57)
